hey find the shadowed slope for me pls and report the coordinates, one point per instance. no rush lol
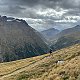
(18, 40)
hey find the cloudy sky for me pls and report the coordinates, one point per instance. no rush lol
(43, 14)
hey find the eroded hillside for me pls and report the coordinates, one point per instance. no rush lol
(61, 65)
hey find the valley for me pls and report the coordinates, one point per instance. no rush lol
(39, 39)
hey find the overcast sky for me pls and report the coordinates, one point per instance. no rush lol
(43, 14)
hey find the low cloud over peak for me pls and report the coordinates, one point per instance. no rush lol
(43, 14)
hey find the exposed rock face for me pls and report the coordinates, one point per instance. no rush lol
(18, 40)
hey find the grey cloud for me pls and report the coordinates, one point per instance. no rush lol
(54, 4)
(73, 12)
(70, 4)
(11, 10)
(29, 9)
(15, 9)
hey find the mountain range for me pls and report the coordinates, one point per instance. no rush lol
(23, 52)
(67, 38)
(18, 40)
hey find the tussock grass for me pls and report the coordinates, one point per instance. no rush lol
(45, 67)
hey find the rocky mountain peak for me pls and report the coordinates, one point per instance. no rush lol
(11, 19)
(18, 40)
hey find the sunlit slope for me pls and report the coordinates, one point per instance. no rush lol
(63, 64)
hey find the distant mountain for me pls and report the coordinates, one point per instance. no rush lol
(18, 40)
(69, 31)
(67, 38)
(50, 33)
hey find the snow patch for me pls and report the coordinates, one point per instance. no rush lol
(9, 20)
(18, 20)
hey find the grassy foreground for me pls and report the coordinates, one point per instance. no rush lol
(63, 64)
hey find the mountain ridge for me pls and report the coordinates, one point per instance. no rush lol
(49, 33)
(66, 38)
(18, 40)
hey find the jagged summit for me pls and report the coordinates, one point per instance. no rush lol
(11, 19)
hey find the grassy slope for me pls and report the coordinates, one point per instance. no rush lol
(45, 67)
